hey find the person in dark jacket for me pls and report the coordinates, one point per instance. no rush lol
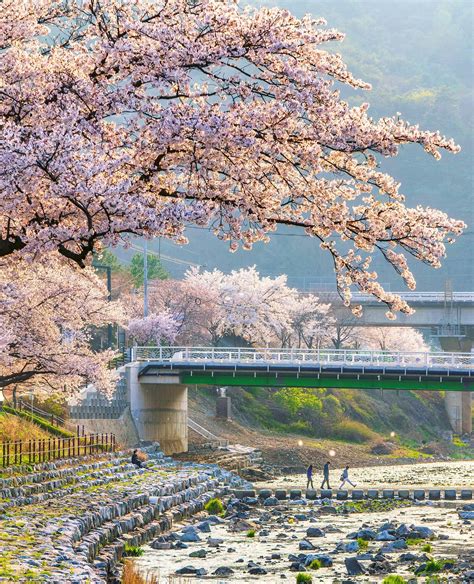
(309, 476)
(326, 475)
(135, 460)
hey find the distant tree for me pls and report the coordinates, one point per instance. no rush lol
(109, 259)
(155, 269)
(141, 117)
(392, 339)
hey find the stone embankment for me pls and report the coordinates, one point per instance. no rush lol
(70, 521)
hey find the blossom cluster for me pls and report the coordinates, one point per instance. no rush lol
(122, 118)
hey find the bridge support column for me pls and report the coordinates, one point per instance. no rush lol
(160, 410)
(458, 403)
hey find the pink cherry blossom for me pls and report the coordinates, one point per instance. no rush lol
(140, 117)
(47, 310)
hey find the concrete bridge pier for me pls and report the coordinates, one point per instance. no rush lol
(159, 408)
(458, 403)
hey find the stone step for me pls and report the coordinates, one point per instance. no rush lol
(359, 494)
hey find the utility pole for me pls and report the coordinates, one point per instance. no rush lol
(108, 271)
(145, 278)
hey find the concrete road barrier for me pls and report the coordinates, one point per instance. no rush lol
(342, 495)
(434, 494)
(419, 494)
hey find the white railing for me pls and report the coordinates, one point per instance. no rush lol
(437, 297)
(295, 357)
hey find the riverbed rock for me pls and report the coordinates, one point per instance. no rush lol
(223, 571)
(314, 532)
(306, 545)
(385, 536)
(202, 553)
(354, 567)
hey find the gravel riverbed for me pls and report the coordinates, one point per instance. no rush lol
(400, 537)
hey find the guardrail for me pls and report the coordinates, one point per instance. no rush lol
(345, 357)
(45, 449)
(437, 297)
(53, 419)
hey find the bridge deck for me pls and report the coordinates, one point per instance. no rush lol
(295, 367)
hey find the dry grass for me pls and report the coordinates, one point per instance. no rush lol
(131, 575)
(15, 428)
(142, 456)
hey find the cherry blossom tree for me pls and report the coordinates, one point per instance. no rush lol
(47, 310)
(312, 322)
(392, 339)
(139, 117)
(160, 328)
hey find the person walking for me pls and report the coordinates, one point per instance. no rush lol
(345, 478)
(326, 475)
(309, 476)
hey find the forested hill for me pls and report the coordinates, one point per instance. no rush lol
(417, 54)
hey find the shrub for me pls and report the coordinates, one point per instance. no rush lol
(251, 533)
(353, 432)
(432, 567)
(363, 544)
(214, 507)
(132, 551)
(315, 565)
(394, 579)
(295, 399)
(303, 578)
(426, 548)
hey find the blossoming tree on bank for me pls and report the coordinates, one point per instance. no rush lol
(46, 311)
(138, 117)
(239, 308)
(392, 339)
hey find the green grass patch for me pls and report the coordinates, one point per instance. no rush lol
(315, 564)
(214, 507)
(251, 533)
(303, 578)
(433, 566)
(133, 551)
(394, 579)
(352, 431)
(427, 548)
(363, 544)
(413, 541)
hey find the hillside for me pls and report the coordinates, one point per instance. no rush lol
(295, 426)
